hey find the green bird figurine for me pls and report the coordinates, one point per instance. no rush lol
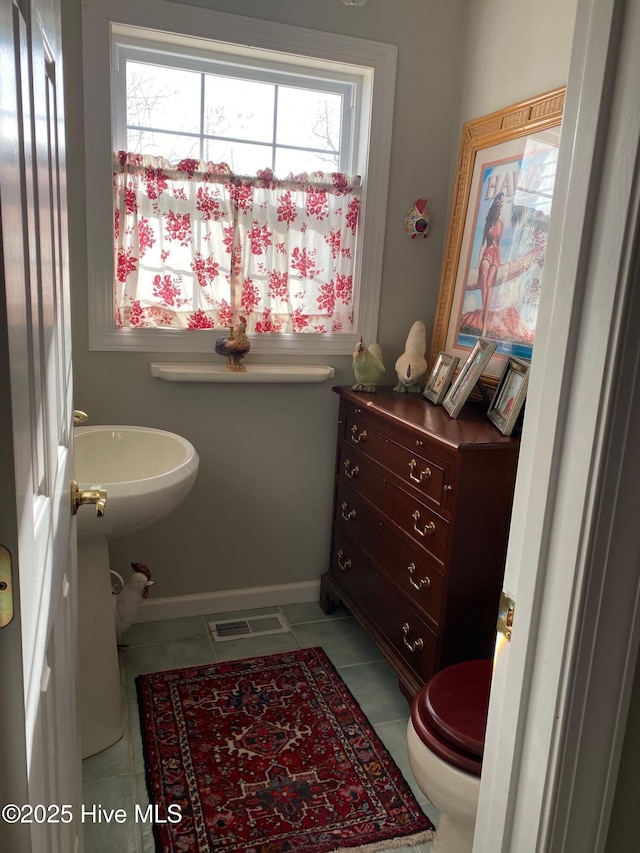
(367, 366)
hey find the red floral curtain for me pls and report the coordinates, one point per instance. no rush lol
(196, 245)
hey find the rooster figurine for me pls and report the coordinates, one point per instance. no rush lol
(235, 346)
(129, 599)
(417, 221)
(367, 366)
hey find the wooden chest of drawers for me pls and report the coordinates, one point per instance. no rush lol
(421, 513)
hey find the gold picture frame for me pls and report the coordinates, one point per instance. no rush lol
(498, 253)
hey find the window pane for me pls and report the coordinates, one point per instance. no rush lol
(168, 145)
(308, 118)
(163, 97)
(288, 160)
(241, 158)
(242, 109)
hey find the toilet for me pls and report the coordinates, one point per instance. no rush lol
(445, 744)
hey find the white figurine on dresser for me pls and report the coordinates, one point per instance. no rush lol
(411, 367)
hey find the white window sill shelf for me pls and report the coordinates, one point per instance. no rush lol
(176, 372)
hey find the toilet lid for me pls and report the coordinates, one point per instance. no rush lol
(450, 713)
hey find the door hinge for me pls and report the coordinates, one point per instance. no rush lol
(6, 588)
(505, 615)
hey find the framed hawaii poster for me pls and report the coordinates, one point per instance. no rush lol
(491, 279)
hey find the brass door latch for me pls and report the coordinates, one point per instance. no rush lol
(6, 588)
(505, 615)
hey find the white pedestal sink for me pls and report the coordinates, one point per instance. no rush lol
(146, 473)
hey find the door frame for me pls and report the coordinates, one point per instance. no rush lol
(561, 688)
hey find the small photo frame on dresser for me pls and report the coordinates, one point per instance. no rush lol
(469, 376)
(440, 377)
(510, 396)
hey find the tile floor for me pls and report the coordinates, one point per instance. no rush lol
(115, 778)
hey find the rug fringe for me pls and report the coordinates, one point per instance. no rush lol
(389, 844)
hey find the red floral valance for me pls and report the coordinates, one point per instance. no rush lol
(196, 245)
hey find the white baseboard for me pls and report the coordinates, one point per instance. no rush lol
(228, 600)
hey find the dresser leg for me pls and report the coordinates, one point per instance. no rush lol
(328, 601)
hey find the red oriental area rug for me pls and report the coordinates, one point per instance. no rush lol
(269, 755)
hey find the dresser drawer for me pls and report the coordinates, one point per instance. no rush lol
(408, 634)
(360, 472)
(425, 527)
(353, 571)
(406, 456)
(357, 431)
(426, 474)
(410, 570)
(355, 518)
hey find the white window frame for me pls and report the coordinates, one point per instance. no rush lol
(127, 45)
(373, 61)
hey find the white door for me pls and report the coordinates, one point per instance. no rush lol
(561, 687)
(40, 762)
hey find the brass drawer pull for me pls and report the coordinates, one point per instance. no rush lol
(423, 583)
(347, 514)
(417, 645)
(349, 471)
(358, 437)
(345, 565)
(422, 476)
(428, 528)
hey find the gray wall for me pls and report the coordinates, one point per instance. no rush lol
(260, 511)
(514, 50)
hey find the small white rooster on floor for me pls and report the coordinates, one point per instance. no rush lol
(128, 601)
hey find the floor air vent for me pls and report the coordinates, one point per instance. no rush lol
(255, 626)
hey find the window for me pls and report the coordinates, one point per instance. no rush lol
(255, 115)
(215, 144)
